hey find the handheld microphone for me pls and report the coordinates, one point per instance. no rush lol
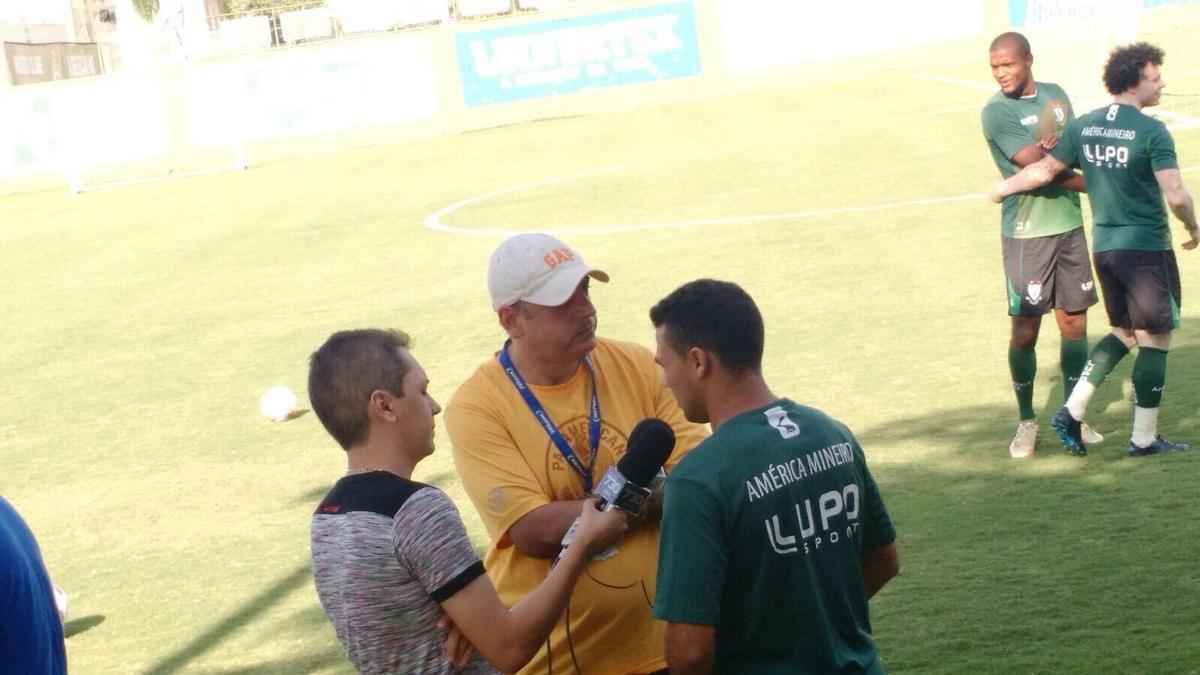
(626, 486)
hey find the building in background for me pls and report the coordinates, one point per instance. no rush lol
(47, 40)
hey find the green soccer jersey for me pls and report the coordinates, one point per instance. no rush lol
(1010, 124)
(763, 533)
(1120, 148)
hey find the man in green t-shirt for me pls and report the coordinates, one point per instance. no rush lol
(1128, 160)
(1045, 250)
(774, 535)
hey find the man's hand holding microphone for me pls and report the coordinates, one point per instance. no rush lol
(624, 489)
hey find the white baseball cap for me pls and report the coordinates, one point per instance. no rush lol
(536, 268)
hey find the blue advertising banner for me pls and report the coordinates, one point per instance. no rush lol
(565, 56)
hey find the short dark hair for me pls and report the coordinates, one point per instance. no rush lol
(716, 316)
(1123, 70)
(344, 371)
(1012, 38)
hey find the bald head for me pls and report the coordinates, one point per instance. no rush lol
(1012, 41)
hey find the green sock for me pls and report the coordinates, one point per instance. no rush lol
(1107, 353)
(1022, 365)
(1149, 376)
(1073, 356)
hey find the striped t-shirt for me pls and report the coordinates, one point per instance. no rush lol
(385, 552)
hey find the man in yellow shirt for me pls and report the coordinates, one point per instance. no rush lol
(534, 429)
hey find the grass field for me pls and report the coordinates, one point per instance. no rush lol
(144, 322)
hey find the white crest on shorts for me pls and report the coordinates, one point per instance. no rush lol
(1034, 291)
(1087, 286)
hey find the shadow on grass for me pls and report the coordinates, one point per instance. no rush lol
(988, 429)
(212, 637)
(259, 605)
(296, 664)
(1012, 565)
(311, 497)
(310, 616)
(76, 626)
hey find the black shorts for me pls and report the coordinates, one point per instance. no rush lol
(1047, 272)
(1141, 289)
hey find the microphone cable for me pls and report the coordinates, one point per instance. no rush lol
(570, 641)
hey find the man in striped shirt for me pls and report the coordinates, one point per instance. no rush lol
(391, 555)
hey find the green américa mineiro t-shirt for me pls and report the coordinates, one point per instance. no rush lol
(763, 533)
(1010, 124)
(1120, 148)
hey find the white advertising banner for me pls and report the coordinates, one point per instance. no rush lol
(471, 8)
(361, 16)
(76, 125)
(769, 33)
(340, 86)
(80, 124)
(303, 25)
(243, 34)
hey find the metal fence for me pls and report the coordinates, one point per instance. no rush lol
(314, 20)
(201, 31)
(29, 63)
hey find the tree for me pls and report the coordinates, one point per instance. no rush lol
(146, 8)
(246, 6)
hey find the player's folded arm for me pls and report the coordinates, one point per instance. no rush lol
(1028, 155)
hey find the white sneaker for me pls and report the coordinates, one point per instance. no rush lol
(1090, 435)
(1024, 440)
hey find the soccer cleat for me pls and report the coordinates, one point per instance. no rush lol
(1024, 441)
(1090, 435)
(1068, 431)
(1159, 446)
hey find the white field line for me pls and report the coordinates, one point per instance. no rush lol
(130, 182)
(434, 220)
